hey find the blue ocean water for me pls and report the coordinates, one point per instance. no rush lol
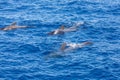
(22, 51)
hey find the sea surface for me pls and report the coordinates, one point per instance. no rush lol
(23, 51)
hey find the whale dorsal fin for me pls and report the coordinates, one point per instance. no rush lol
(62, 48)
(13, 24)
(62, 27)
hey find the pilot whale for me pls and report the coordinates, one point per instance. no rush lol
(12, 26)
(62, 29)
(66, 47)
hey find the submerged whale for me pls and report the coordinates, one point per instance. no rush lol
(12, 26)
(62, 29)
